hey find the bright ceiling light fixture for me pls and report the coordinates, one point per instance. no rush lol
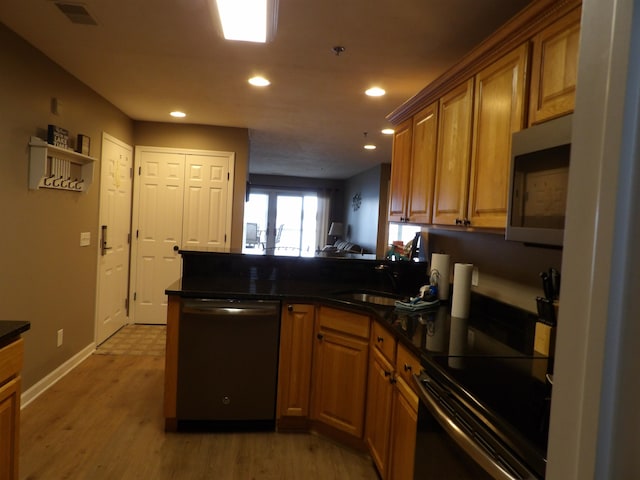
(387, 131)
(248, 20)
(369, 147)
(177, 114)
(259, 82)
(375, 92)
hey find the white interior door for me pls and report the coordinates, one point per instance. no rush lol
(183, 199)
(115, 215)
(206, 201)
(158, 233)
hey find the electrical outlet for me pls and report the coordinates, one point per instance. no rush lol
(475, 275)
(60, 336)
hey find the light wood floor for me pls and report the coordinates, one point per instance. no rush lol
(104, 421)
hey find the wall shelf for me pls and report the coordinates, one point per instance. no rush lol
(58, 168)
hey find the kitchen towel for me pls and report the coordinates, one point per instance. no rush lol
(462, 273)
(440, 263)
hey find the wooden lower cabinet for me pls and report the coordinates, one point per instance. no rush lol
(11, 358)
(392, 406)
(340, 370)
(294, 372)
(404, 421)
(379, 403)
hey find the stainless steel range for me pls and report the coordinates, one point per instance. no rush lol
(484, 410)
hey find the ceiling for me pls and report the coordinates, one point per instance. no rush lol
(149, 57)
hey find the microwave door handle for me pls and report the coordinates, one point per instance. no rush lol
(464, 441)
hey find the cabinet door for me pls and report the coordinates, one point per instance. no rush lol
(453, 152)
(554, 69)
(498, 112)
(294, 372)
(379, 399)
(400, 168)
(404, 423)
(9, 429)
(340, 377)
(423, 165)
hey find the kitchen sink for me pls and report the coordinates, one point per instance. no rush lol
(375, 298)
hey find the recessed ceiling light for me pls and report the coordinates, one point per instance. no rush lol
(259, 82)
(178, 114)
(388, 131)
(369, 147)
(375, 92)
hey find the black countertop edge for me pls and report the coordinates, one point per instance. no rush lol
(10, 329)
(336, 297)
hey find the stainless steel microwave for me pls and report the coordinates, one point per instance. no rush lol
(538, 183)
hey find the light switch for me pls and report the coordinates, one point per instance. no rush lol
(85, 239)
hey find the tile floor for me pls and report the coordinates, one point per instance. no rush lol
(135, 340)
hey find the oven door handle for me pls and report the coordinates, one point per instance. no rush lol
(464, 441)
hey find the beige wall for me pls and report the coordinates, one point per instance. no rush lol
(45, 276)
(203, 137)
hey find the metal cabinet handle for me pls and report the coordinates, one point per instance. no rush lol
(380, 339)
(320, 336)
(290, 308)
(407, 368)
(387, 373)
(176, 248)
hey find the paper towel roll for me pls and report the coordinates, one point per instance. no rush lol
(440, 262)
(462, 273)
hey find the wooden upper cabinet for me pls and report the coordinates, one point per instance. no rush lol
(498, 112)
(423, 165)
(554, 69)
(400, 169)
(453, 152)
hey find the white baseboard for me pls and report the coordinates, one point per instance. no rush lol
(47, 382)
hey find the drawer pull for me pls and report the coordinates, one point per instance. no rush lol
(380, 339)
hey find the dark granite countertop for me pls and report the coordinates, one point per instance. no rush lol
(10, 329)
(330, 283)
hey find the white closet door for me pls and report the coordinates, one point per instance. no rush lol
(159, 232)
(182, 200)
(206, 197)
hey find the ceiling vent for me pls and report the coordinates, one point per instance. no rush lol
(76, 13)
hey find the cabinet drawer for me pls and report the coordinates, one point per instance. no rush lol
(407, 364)
(11, 360)
(346, 322)
(383, 341)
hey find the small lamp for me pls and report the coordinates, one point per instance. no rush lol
(336, 230)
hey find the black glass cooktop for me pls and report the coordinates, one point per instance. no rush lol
(488, 364)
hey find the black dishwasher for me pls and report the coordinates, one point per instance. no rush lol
(227, 364)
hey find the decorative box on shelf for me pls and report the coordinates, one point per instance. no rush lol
(58, 168)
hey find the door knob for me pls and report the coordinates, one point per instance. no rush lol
(176, 248)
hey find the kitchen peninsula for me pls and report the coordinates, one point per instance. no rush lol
(347, 363)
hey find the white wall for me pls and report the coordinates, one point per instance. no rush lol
(594, 416)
